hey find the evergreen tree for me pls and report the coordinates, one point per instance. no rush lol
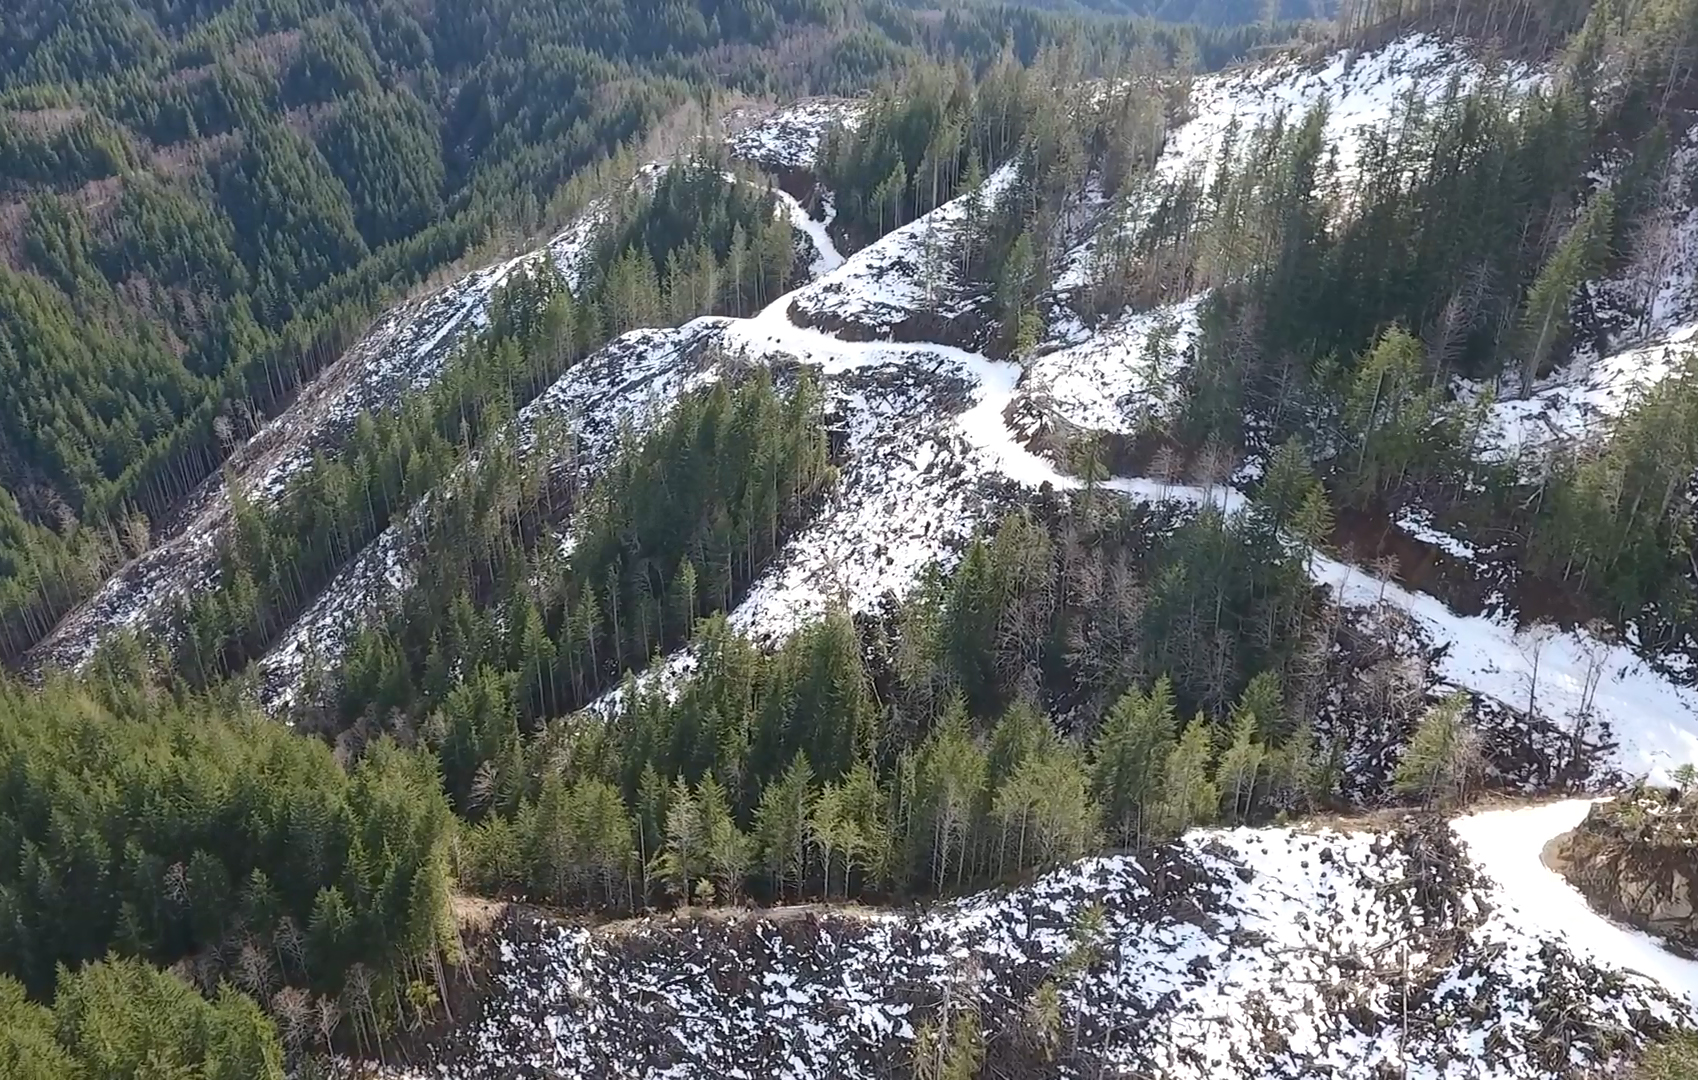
(1128, 759)
(1189, 796)
(1443, 756)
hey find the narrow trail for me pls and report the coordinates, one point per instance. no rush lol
(1509, 844)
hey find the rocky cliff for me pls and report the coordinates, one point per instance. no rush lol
(1636, 859)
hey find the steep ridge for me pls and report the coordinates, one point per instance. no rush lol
(401, 354)
(1278, 952)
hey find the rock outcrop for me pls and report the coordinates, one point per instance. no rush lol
(1636, 859)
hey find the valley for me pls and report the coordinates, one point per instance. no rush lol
(796, 679)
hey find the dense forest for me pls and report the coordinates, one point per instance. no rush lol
(202, 205)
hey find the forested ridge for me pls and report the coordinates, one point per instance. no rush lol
(204, 203)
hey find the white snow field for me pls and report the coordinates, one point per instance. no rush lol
(1114, 379)
(1360, 90)
(1652, 719)
(1276, 953)
(789, 137)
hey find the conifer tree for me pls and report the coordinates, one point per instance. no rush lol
(1128, 759)
(1239, 768)
(781, 826)
(683, 859)
(1545, 318)
(1189, 796)
(1443, 756)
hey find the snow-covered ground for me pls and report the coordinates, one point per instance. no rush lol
(1361, 92)
(1248, 953)
(905, 273)
(1127, 372)
(1652, 720)
(1648, 314)
(788, 137)
(826, 256)
(1508, 845)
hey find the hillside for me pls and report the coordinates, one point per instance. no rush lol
(1021, 572)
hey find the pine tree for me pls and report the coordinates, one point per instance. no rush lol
(683, 858)
(1189, 797)
(1545, 317)
(781, 826)
(1239, 769)
(1128, 758)
(1443, 757)
(726, 851)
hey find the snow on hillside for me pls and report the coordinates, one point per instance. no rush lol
(1579, 400)
(1248, 953)
(826, 257)
(788, 137)
(1360, 90)
(1580, 680)
(1124, 373)
(1508, 844)
(625, 384)
(1648, 314)
(402, 353)
(903, 274)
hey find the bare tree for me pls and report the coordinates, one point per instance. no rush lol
(329, 1014)
(1531, 643)
(1385, 569)
(293, 1011)
(253, 969)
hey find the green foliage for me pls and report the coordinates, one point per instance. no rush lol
(1443, 757)
(1128, 760)
(1675, 1058)
(1544, 319)
(171, 831)
(1391, 417)
(1618, 522)
(122, 1018)
(273, 174)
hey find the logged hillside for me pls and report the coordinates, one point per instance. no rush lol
(202, 207)
(873, 509)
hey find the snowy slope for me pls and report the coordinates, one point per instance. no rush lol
(1649, 316)
(402, 353)
(1361, 91)
(1246, 953)
(788, 138)
(903, 274)
(1652, 720)
(1114, 379)
(1508, 845)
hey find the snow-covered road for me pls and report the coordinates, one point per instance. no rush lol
(1508, 845)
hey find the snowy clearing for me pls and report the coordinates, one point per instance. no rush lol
(1653, 721)
(789, 137)
(1127, 373)
(885, 283)
(1361, 91)
(1277, 953)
